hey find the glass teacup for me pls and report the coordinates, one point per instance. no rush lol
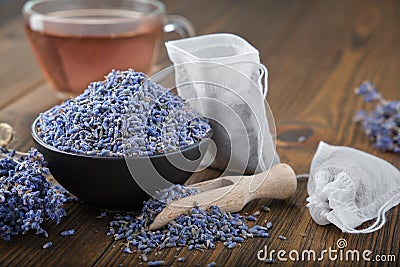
(79, 41)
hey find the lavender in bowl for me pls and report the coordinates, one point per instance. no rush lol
(87, 139)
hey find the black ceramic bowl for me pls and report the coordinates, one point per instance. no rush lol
(106, 182)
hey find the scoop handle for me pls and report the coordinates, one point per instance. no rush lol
(279, 182)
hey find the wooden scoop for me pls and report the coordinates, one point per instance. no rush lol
(232, 193)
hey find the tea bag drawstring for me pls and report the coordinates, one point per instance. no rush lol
(264, 73)
(264, 91)
(380, 221)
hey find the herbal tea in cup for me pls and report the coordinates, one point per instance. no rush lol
(78, 41)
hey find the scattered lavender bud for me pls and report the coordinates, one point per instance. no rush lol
(103, 214)
(265, 208)
(368, 92)
(27, 198)
(181, 259)
(47, 245)
(126, 114)
(231, 245)
(251, 218)
(128, 250)
(156, 263)
(238, 239)
(282, 237)
(269, 261)
(211, 264)
(68, 232)
(144, 257)
(382, 124)
(256, 213)
(197, 229)
(269, 225)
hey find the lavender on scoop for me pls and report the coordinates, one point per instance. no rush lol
(198, 229)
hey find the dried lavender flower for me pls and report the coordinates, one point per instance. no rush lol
(128, 250)
(68, 232)
(47, 245)
(251, 218)
(126, 114)
(382, 124)
(269, 261)
(156, 263)
(368, 91)
(256, 213)
(198, 229)
(27, 199)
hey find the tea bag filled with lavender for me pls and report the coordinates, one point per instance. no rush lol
(348, 187)
(220, 75)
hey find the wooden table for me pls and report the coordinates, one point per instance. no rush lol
(317, 53)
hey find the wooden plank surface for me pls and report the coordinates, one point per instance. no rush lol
(317, 52)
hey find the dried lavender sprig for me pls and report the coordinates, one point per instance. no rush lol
(368, 91)
(382, 124)
(27, 199)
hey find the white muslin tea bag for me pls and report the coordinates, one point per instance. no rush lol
(220, 75)
(348, 187)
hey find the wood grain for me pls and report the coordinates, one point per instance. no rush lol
(317, 52)
(19, 71)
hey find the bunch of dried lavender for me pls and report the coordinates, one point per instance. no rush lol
(27, 199)
(382, 124)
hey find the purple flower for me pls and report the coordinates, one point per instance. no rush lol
(384, 142)
(382, 124)
(127, 114)
(368, 91)
(198, 229)
(68, 232)
(27, 198)
(360, 115)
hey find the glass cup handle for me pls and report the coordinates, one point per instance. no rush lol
(180, 25)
